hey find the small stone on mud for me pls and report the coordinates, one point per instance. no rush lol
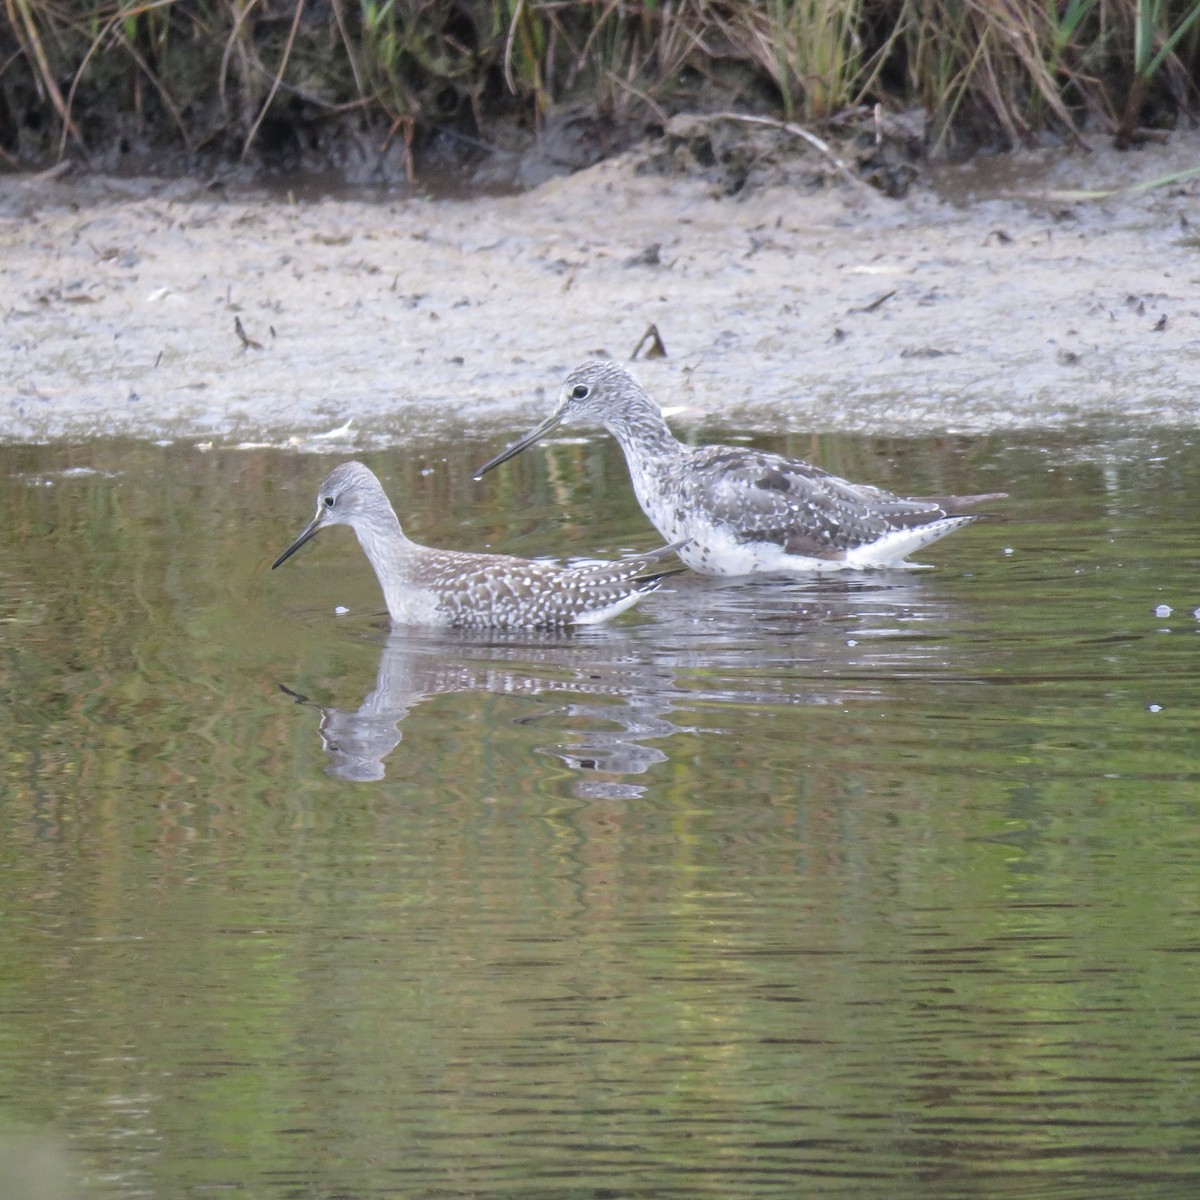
(651, 256)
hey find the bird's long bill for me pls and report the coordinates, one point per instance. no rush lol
(310, 531)
(532, 436)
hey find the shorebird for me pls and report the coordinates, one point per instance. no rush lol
(423, 586)
(739, 511)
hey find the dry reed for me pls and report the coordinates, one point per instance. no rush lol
(229, 75)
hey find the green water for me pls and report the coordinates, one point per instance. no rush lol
(884, 886)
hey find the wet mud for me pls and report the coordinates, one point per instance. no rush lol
(978, 297)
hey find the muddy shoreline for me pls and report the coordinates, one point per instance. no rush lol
(988, 297)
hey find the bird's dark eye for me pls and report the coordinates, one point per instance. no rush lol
(580, 391)
(327, 501)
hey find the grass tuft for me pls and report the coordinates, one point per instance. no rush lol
(243, 76)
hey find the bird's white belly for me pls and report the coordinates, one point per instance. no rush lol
(416, 606)
(714, 551)
(718, 554)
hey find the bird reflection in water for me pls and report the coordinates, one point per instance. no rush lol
(411, 671)
(770, 643)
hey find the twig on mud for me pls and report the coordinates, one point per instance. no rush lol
(1072, 196)
(406, 125)
(248, 343)
(655, 349)
(874, 304)
(60, 168)
(799, 131)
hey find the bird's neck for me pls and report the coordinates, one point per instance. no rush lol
(642, 432)
(390, 552)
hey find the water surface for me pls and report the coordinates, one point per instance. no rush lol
(883, 885)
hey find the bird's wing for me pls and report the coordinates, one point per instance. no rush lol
(798, 506)
(495, 590)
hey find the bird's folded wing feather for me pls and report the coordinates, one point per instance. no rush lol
(804, 509)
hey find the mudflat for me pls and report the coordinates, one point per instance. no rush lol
(1002, 293)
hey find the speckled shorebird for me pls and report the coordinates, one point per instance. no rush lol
(740, 511)
(423, 586)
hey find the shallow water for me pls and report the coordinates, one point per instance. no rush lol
(875, 886)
